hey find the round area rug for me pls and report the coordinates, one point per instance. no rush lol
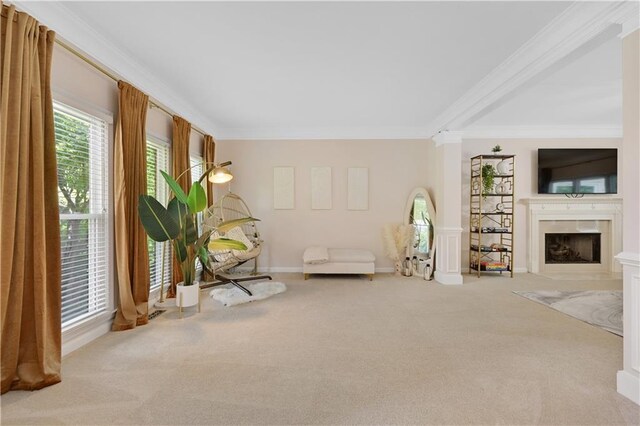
(232, 295)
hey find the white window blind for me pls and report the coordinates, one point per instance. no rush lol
(81, 151)
(158, 160)
(197, 168)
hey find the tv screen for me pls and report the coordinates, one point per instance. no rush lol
(578, 171)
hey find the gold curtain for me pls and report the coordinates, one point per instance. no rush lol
(209, 158)
(129, 182)
(181, 164)
(29, 219)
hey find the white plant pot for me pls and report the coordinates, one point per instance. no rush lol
(187, 295)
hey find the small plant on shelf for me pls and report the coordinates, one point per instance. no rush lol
(488, 174)
(496, 149)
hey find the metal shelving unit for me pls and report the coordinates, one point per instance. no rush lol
(491, 217)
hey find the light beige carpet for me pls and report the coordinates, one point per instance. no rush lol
(345, 350)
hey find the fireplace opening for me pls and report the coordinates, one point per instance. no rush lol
(572, 248)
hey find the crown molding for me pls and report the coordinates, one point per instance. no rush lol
(631, 22)
(579, 24)
(307, 133)
(542, 132)
(447, 137)
(72, 29)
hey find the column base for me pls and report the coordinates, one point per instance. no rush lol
(448, 278)
(629, 386)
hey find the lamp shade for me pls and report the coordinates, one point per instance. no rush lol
(220, 175)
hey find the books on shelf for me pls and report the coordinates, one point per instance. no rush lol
(490, 229)
(491, 248)
(491, 266)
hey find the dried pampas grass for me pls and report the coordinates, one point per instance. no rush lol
(396, 238)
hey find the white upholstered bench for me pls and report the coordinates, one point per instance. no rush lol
(318, 260)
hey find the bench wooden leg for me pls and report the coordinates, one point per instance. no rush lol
(370, 277)
(306, 277)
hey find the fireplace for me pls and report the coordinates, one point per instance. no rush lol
(563, 248)
(574, 218)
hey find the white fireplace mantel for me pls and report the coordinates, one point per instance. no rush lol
(564, 208)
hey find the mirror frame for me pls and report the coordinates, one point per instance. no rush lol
(430, 208)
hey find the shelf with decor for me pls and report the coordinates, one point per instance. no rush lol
(491, 201)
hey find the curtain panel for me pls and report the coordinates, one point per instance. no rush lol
(30, 266)
(182, 174)
(129, 182)
(209, 148)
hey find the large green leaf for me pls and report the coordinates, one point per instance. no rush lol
(180, 249)
(203, 254)
(156, 220)
(226, 243)
(190, 233)
(178, 211)
(197, 199)
(203, 240)
(225, 226)
(175, 187)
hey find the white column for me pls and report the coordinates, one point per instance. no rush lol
(448, 229)
(629, 376)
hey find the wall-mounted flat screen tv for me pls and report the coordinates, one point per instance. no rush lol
(578, 171)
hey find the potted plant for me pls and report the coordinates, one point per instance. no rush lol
(488, 175)
(178, 223)
(496, 149)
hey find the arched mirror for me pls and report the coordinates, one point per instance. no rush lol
(420, 213)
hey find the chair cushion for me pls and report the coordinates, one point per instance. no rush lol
(237, 234)
(316, 255)
(219, 255)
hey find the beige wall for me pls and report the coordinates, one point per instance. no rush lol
(79, 85)
(526, 152)
(396, 167)
(631, 136)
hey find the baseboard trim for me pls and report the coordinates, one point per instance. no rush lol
(283, 269)
(629, 386)
(515, 270)
(448, 278)
(78, 340)
(298, 270)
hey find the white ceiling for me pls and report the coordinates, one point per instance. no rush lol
(585, 93)
(320, 70)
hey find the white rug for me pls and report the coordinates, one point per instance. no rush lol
(232, 295)
(600, 308)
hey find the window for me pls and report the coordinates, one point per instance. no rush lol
(81, 151)
(587, 185)
(595, 185)
(158, 160)
(562, 187)
(197, 168)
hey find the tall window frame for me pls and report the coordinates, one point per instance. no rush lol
(83, 145)
(158, 159)
(196, 162)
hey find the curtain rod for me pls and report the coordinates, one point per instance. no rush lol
(152, 104)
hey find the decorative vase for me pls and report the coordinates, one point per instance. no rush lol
(187, 295)
(406, 268)
(503, 167)
(501, 188)
(428, 272)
